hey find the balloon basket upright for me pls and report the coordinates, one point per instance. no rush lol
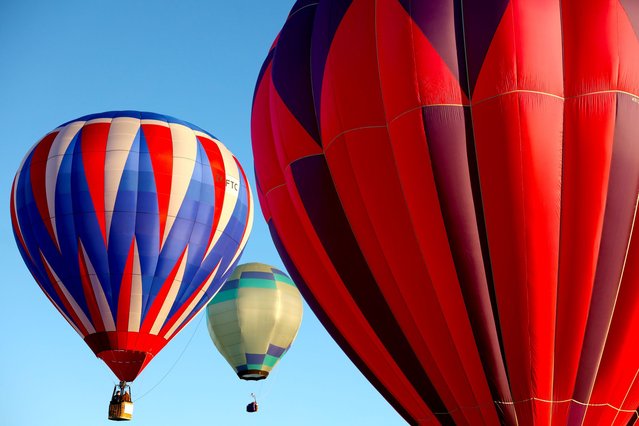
(121, 405)
(252, 407)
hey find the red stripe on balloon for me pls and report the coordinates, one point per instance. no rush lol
(89, 295)
(216, 164)
(67, 305)
(124, 297)
(519, 156)
(94, 138)
(14, 221)
(351, 96)
(37, 169)
(160, 144)
(587, 149)
(591, 58)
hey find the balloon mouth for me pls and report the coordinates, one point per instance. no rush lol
(126, 364)
(253, 374)
(118, 351)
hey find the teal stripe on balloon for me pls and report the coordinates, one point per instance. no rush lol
(224, 296)
(284, 279)
(257, 283)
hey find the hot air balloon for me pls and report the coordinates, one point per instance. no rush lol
(130, 222)
(254, 319)
(453, 186)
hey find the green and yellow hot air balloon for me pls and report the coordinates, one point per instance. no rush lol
(254, 318)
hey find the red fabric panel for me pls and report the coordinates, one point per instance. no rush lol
(525, 53)
(89, 295)
(518, 142)
(124, 299)
(38, 168)
(125, 362)
(537, 35)
(591, 58)
(351, 96)
(498, 73)
(267, 168)
(160, 144)
(216, 164)
(411, 71)
(14, 221)
(588, 137)
(94, 138)
(293, 140)
(72, 315)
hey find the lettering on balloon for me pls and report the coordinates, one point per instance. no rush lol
(232, 184)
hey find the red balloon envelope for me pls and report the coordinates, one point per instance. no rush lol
(130, 222)
(454, 187)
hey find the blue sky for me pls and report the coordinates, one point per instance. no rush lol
(198, 61)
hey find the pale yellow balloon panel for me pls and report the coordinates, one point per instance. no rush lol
(254, 318)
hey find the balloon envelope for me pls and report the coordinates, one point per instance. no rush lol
(130, 222)
(453, 185)
(255, 318)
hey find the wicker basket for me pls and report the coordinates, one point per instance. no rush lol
(120, 411)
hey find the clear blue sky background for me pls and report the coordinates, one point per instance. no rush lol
(198, 61)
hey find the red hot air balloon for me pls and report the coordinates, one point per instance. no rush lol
(130, 222)
(453, 185)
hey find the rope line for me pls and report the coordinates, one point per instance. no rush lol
(498, 403)
(197, 327)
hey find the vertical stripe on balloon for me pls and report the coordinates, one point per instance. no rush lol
(135, 306)
(14, 219)
(93, 146)
(89, 294)
(38, 167)
(231, 193)
(100, 297)
(214, 155)
(160, 146)
(122, 134)
(124, 299)
(184, 157)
